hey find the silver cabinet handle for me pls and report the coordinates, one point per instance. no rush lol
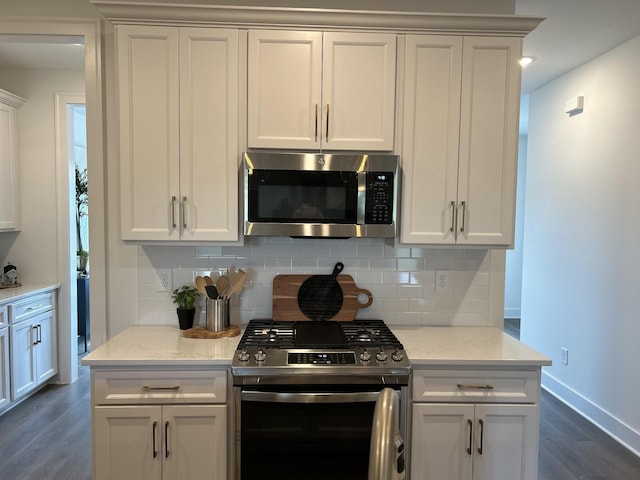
(470, 424)
(147, 388)
(183, 212)
(481, 422)
(464, 214)
(327, 132)
(453, 216)
(153, 439)
(474, 387)
(166, 439)
(39, 333)
(173, 211)
(34, 307)
(34, 330)
(316, 122)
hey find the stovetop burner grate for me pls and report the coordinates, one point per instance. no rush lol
(267, 333)
(281, 334)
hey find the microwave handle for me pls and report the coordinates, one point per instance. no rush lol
(386, 455)
(362, 197)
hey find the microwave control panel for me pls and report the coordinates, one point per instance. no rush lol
(379, 199)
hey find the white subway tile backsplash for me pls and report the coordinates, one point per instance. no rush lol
(401, 280)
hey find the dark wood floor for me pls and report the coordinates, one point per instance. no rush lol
(48, 437)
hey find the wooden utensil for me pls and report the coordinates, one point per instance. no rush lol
(238, 283)
(200, 284)
(208, 280)
(221, 284)
(320, 296)
(285, 298)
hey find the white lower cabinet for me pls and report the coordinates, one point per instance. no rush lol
(169, 442)
(159, 425)
(34, 343)
(469, 434)
(5, 385)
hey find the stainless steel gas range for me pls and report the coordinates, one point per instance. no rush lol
(320, 399)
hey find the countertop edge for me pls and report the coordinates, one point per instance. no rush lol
(10, 295)
(426, 347)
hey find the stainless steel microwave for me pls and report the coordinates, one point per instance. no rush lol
(320, 195)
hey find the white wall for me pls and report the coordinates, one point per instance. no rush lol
(513, 271)
(581, 266)
(35, 248)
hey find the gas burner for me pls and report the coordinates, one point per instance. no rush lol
(366, 335)
(271, 334)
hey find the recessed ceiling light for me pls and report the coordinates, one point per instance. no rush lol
(524, 61)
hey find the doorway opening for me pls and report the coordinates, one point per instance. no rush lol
(77, 150)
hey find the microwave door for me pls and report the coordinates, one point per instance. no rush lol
(386, 455)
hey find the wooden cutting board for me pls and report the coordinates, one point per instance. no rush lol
(285, 298)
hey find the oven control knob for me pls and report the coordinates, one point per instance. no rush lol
(381, 356)
(260, 356)
(244, 356)
(397, 356)
(365, 356)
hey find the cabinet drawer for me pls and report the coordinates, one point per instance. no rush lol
(176, 386)
(4, 317)
(31, 306)
(495, 386)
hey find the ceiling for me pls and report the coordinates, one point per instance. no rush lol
(574, 32)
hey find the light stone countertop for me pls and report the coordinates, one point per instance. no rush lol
(466, 346)
(161, 346)
(9, 295)
(425, 346)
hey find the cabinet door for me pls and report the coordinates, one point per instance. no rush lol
(358, 91)
(5, 392)
(9, 194)
(147, 61)
(442, 442)
(506, 442)
(46, 346)
(208, 134)
(195, 442)
(23, 358)
(433, 70)
(127, 443)
(284, 102)
(488, 140)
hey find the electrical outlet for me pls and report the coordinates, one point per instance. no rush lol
(442, 280)
(164, 280)
(565, 356)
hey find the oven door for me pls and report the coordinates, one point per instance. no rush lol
(293, 434)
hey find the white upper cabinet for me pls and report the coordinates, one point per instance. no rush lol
(9, 179)
(178, 133)
(460, 140)
(314, 90)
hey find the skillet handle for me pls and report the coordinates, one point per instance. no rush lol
(337, 269)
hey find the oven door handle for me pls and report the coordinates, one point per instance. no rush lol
(309, 397)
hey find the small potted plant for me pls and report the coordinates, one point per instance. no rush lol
(185, 298)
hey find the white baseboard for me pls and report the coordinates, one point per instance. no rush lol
(614, 427)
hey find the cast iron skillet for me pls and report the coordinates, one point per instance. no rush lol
(320, 296)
